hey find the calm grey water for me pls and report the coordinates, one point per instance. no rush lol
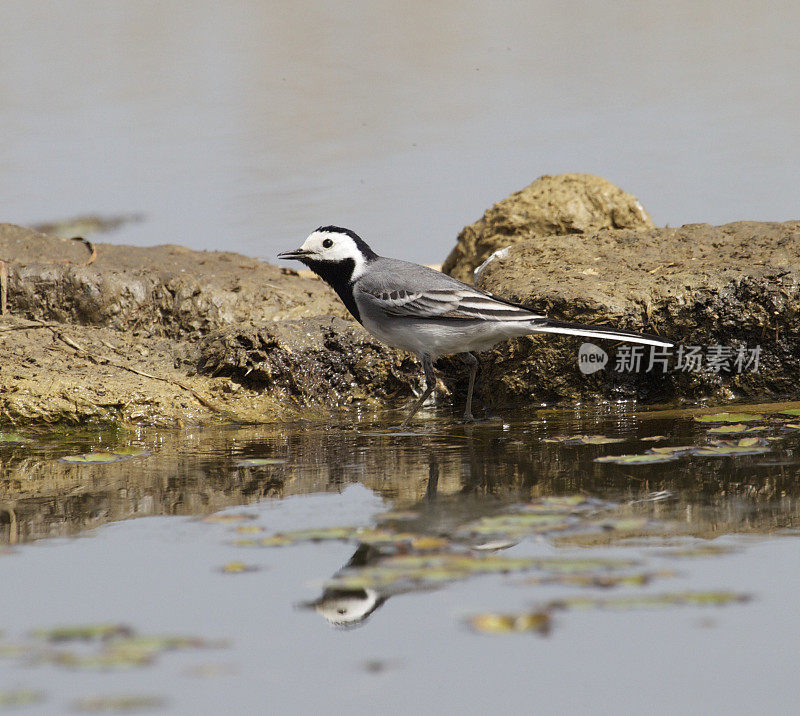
(160, 574)
(242, 125)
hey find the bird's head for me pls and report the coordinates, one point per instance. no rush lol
(332, 248)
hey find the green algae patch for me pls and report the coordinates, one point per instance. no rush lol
(93, 458)
(729, 448)
(125, 653)
(602, 581)
(124, 703)
(248, 529)
(648, 458)
(540, 620)
(582, 440)
(736, 429)
(699, 551)
(14, 698)
(579, 565)
(260, 462)
(651, 601)
(501, 624)
(230, 518)
(792, 413)
(729, 418)
(672, 450)
(83, 632)
(12, 439)
(405, 572)
(237, 568)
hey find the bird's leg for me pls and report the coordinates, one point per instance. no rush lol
(430, 384)
(472, 361)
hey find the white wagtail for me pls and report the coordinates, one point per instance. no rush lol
(426, 312)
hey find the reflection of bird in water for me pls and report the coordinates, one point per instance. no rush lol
(347, 607)
(350, 607)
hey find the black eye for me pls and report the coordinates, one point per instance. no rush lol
(327, 243)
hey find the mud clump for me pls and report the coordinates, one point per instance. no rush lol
(726, 289)
(552, 205)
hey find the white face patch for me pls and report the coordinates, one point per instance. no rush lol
(335, 247)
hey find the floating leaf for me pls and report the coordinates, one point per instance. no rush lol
(12, 698)
(118, 704)
(793, 426)
(729, 448)
(705, 550)
(673, 450)
(510, 623)
(83, 632)
(578, 565)
(248, 529)
(604, 581)
(424, 571)
(516, 525)
(93, 457)
(583, 440)
(735, 429)
(12, 438)
(237, 568)
(649, 458)
(126, 653)
(645, 601)
(654, 438)
(283, 539)
(729, 418)
(260, 462)
(793, 412)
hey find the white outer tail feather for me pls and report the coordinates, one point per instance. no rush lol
(611, 335)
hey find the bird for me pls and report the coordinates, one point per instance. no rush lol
(426, 312)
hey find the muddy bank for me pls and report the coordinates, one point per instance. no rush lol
(168, 336)
(732, 291)
(118, 334)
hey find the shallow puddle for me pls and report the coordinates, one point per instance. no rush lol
(330, 566)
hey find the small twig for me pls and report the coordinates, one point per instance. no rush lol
(69, 341)
(27, 328)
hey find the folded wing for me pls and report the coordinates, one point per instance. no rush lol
(449, 303)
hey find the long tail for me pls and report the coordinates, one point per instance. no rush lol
(549, 325)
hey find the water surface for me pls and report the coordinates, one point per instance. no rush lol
(280, 633)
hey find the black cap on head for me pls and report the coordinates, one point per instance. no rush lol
(369, 254)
